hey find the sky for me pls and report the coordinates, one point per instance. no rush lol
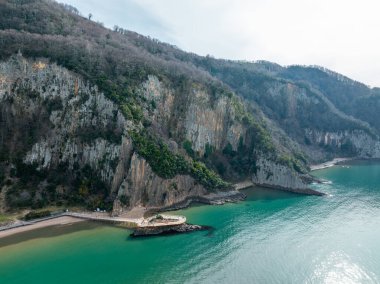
(340, 35)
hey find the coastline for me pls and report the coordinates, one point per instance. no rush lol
(300, 191)
(329, 164)
(139, 217)
(60, 220)
(218, 198)
(267, 218)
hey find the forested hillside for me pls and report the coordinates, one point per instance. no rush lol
(99, 117)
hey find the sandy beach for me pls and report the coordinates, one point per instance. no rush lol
(328, 164)
(63, 220)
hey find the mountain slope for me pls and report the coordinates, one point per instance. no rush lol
(349, 96)
(103, 118)
(116, 124)
(306, 110)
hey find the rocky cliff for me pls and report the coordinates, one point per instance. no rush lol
(358, 143)
(63, 137)
(54, 121)
(196, 116)
(142, 186)
(99, 118)
(306, 111)
(274, 175)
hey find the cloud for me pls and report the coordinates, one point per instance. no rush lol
(340, 35)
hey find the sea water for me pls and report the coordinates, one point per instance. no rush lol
(272, 237)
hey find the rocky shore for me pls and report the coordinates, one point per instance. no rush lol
(218, 198)
(142, 224)
(303, 191)
(329, 164)
(168, 230)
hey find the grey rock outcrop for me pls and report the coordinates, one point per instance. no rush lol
(76, 127)
(362, 144)
(196, 116)
(275, 175)
(143, 187)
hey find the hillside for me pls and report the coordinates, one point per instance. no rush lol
(325, 113)
(103, 118)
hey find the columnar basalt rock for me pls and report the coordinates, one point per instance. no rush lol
(143, 187)
(203, 121)
(78, 127)
(275, 175)
(362, 144)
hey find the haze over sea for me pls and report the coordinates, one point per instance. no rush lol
(273, 237)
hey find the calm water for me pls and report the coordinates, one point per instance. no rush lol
(273, 237)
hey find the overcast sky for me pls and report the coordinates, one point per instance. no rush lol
(342, 35)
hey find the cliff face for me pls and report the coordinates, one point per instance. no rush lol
(81, 125)
(325, 114)
(349, 96)
(55, 122)
(211, 123)
(139, 122)
(75, 128)
(68, 131)
(143, 186)
(310, 119)
(73, 143)
(194, 116)
(358, 143)
(274, 175)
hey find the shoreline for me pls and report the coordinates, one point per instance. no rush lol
(301, 191)
(59, 220)
(329, 164)
(219, 198)
(67, 218)
(139, 217)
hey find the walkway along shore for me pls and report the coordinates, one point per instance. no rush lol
(73, 217)
(328, 164)
(133, 219)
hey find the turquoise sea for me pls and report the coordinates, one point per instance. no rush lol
(273, 237)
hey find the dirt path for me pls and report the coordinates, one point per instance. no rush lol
(51, 222)
(136, 213)
(328, 164)
(243, 185)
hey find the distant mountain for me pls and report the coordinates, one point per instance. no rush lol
(113, 119)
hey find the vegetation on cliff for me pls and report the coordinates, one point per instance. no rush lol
(277, 109)
(117, 62)
(167, 164)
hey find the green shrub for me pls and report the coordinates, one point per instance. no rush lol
(163, 162)
(228, 150)
(125, 200)
(53, 104)
(37, 214)
(5, 219)
(167, 164)
(292, 163)
(206, 177)
(188, 148)
(208, 150)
